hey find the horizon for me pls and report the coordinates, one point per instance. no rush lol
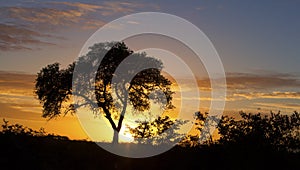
(26, 110)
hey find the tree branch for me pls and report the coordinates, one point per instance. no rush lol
(108, 116)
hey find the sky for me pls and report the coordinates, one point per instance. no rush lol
(258, 43)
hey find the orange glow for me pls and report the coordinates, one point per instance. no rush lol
(18, 105)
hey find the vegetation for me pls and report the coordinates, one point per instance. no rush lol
(23, 131)
(163, 130)
(132, 87)
(274, 131)
(251, 142)
(277, 131)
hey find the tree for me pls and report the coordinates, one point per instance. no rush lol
(162, 130)
(277, 131)
(54, 86)
(190, 141)
(204, 123)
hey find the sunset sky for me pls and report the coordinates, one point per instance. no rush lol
(258, 43)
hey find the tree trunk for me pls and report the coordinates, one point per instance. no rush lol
(115, 137)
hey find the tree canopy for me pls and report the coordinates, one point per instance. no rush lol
(139, 76)
(162, 130)
(275, 130)
(256, 131)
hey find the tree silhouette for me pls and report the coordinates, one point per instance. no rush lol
(276, 131)
(190, 141)
(203, 122)
(132, 87)
(162, 130)
(20, 130)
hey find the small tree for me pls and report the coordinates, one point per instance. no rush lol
(190, 141)
(205, 123)
(54, 86)
(163, 130)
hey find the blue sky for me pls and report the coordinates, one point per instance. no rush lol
(249, 35)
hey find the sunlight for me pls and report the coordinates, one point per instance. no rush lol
(125, 137)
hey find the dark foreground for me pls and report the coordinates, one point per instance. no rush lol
(25, 152)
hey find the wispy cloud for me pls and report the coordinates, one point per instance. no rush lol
(250, 81)
(18, 105)
(48, 18)
(279, 106)
(80, 6)
(23, 26)
(244, 90)
(68, 13)
(16, 92)
(15, 38)
(105, 8)
(271, 95)
(246, 86)
(16, 80)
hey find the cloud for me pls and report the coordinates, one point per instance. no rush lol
(67, 13)
(22, 26)
(250, 81)
(16, 80)
(79, 6)
(270, 85)
(272, 95)
(105, 8)
(45, 18)
(46, 15)
(286, 106)
(16, 92)
(246, 86)
(18, 105)
(112, 8)
(17, 99)
(244, 89)
(15, 38)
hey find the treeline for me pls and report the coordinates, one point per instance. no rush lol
(280, 132)
(23, 131)
(254, 141)
(274, 131)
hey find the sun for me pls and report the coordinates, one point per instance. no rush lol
(125, 137)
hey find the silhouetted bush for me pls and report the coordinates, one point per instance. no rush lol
(162, 130)
(277, 131)
(21, 130)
